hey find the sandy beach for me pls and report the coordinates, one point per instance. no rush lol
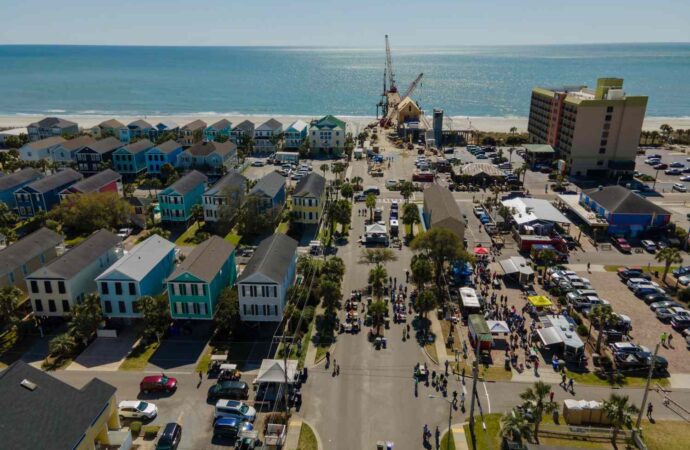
(494, 124)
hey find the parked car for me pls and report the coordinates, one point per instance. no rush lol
(360, 197)
(158, 383)
(660, 166)
(226, 428)
(625, 273)
(657, 297)
(234, 408)
(664, 304)
(588, 302)
(680, 187)
(677, 164)
(258, 163)
(136, 409)
(621, 244)
(683, 270)
(391, 184)
(680, 322)
(666, 314)
(235, 390)
(650, 246)
(652, 161)
(673, 172)
(626, 348)
(641, 360)
(633, 282)
(478, 211)
(684, 280)
(643, 291)
(685, 178)
(170, 438)
(371, 190)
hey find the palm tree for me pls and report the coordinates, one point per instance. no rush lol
(514, 426)
(505, 213)
(323, 168)
(666, 130)
(668, 256)
(9, 298)
(510, 153)
(377, 256)
(406, 190)
(377, 278)
(654, 135)
(86, 317)
(61, 345)
(619, 412)
(547, 258)
(371, 204)
(513, 130)
(601, 314)
(357, 182)
(536, 399)
(426, 301)
(422, 272)
(410, 217)
(197, 213)
(378, 310)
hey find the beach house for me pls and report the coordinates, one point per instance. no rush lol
(169, 127)
(194, 287)
(192, 133)
(95, 156)
(176, 200)
(442, 211)
(218, 131)
(130, 160)
(38, 150)
(55, 288)
(243, 131)
(266, 136)
(268, 194)
(43, 194)
(51, 126)
(140, 272)
(140, 211)
(107, 128)
(65, 153)
(263, 283)
(327, 135)
(209, 157)
(14, 181)
(227, 193)
(136, 130)
(295, 134)
(162, 154)
(105, 181)
(308, 199)
(27, 255)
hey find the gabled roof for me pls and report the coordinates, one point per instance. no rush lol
(50, 122)
(272, 258)
(140, 260)
(187, 183)
(105, 145)
(46, 143)
(78, 143)
(270, 125)
(55, 180)
(297, 125)
(270, 184)
(138, 146)
(111, 123)
(474, 169)
(28, 248)
(195, 125)
(16, 178)
(167, 125)
(619, 200)
(247, 126)
(61, 412)
(531, 209)
(95, 182)
(329, 121)
(222, 123)
(168, 146)
(79, 257)
(443, 210)
(140, 123)
(313, 184)
(232, 179)
(206, 148)
(206, 259)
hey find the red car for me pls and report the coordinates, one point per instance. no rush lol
(158, 383)
(622, 244)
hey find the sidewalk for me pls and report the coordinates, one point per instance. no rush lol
(293, 432)
(546, 374)
(459, 438)
(440, 340)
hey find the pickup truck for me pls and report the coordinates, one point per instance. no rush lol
(641, 360)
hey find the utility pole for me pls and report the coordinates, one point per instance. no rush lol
(475, 375)
(655, 177)
(646, 391)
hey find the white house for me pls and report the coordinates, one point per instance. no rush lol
(295, 134)
(327, 135)
(229, 190)
(38, 150)
(263, 284)
(264, 135)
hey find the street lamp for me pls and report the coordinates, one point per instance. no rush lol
(450, 414)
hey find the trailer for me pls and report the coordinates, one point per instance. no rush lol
(478, 329)
(287, 157)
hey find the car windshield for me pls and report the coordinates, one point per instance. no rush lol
(244, 409)
(142, 406)
(164, 380)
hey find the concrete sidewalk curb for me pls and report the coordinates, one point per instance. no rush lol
(292, 440)
(458, 432)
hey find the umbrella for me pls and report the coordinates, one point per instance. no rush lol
(481, 251)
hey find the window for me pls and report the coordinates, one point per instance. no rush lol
(39, 306)
(108, 306)
(122, 306)
(275, 310)
(61, 287)
(65, 306)
(195, 290)
(609, 109)
(48, 287)
(185, 308)
(602, 150)
(265, 310)
(600, 163)
(51, 306)
(244, 293)
(196, 308)
(183, 289)
(132, 289)
(244, 309)
(275, 291)
(104, 288)
(118, 288)
(11, 275)
(608, 118)
(34, 287)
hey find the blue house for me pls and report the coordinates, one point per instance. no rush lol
(17, 180)
(268, 194)
(137, 129)
(140, 272)
(220, 129)
(194, 287)
(176, 200)
(43, 194)
(130, 160)
(160, 155)
(628, 214)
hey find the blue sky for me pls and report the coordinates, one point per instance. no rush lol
(345, 23)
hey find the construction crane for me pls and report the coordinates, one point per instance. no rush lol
(413, 86)
(392, 87)
(392, 107)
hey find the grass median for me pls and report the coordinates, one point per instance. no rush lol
(307, 438)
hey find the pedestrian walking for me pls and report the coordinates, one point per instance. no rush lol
(588, 266)
(663, 339)
(650, 409)
(551, 394)
(438, 437)
(455, 398)
(670, 337)
(407, 275)
(447, 363)
(463, 376)
(462, 400)
(571, 385)
(337, 370)
(563, 379)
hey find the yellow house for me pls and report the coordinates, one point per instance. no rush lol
(26, 256)
(408, 111)
(40, 411)
(308, 199)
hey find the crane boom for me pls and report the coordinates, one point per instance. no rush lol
(412, 86)
(389, 68)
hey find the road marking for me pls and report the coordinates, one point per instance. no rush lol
(179, 418)
(488, 401)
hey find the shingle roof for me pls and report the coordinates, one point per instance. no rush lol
(46, 143)
(270, 184)
(194, 125)
(138, 146)
(313, 184)
(329, 121)
(141, 259)
(222, 123)
(105, 145)
(52, 122)
(77, 258)
(620, 200)
(111, 123)
(96, 181)
(206, 259)
(298, 125)
(206, 148)
(272, 258)
(247, 126)
(231, 179)
(16, 178)
(188, 182)
(78, 143)
(54, 416)
(169, 146)
(443, 210)
(139, 124)
(55, 180)
(474, 169)
(28, 248)
(270, 124)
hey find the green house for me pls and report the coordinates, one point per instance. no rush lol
(194, 287)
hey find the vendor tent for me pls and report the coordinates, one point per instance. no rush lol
(469, 298)
(539, 301)
(479, 329)
(498, 327)
(518, 267)
(549, 336)
(273, 371)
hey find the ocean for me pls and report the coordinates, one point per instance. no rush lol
(464, 81)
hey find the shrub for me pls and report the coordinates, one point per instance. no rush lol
(135, 428)
(582, 329)
(605, 361)
(576, 317)
(150, 431)
(684, 295)
(307, 317)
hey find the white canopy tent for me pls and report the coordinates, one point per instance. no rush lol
(498, 327)
(273, 371)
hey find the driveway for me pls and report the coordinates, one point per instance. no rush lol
(106, 354)
(180, 352)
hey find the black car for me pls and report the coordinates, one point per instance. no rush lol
(627, 273)
(170, 438)
(231, 390)
(653, 298)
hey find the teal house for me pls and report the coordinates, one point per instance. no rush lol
(176, 200)
(220, 129)
(196, 284)
(130, 160)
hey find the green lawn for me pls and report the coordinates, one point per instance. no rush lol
(283, 227)
(74, 241)
(205, 361)
(233, 237)
(306, 339)
(666, 435)
(139, 357)
(447, 442)
(491, 438)
(591, 379)
(307, 438)
(186, 237)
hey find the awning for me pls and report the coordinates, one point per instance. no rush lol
(549, 336)
(498, 327)
(273, 371)
(481, 251)
(516, 264)
(539, 301)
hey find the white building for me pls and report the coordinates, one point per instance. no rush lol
(229, 190)
(327, 135)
